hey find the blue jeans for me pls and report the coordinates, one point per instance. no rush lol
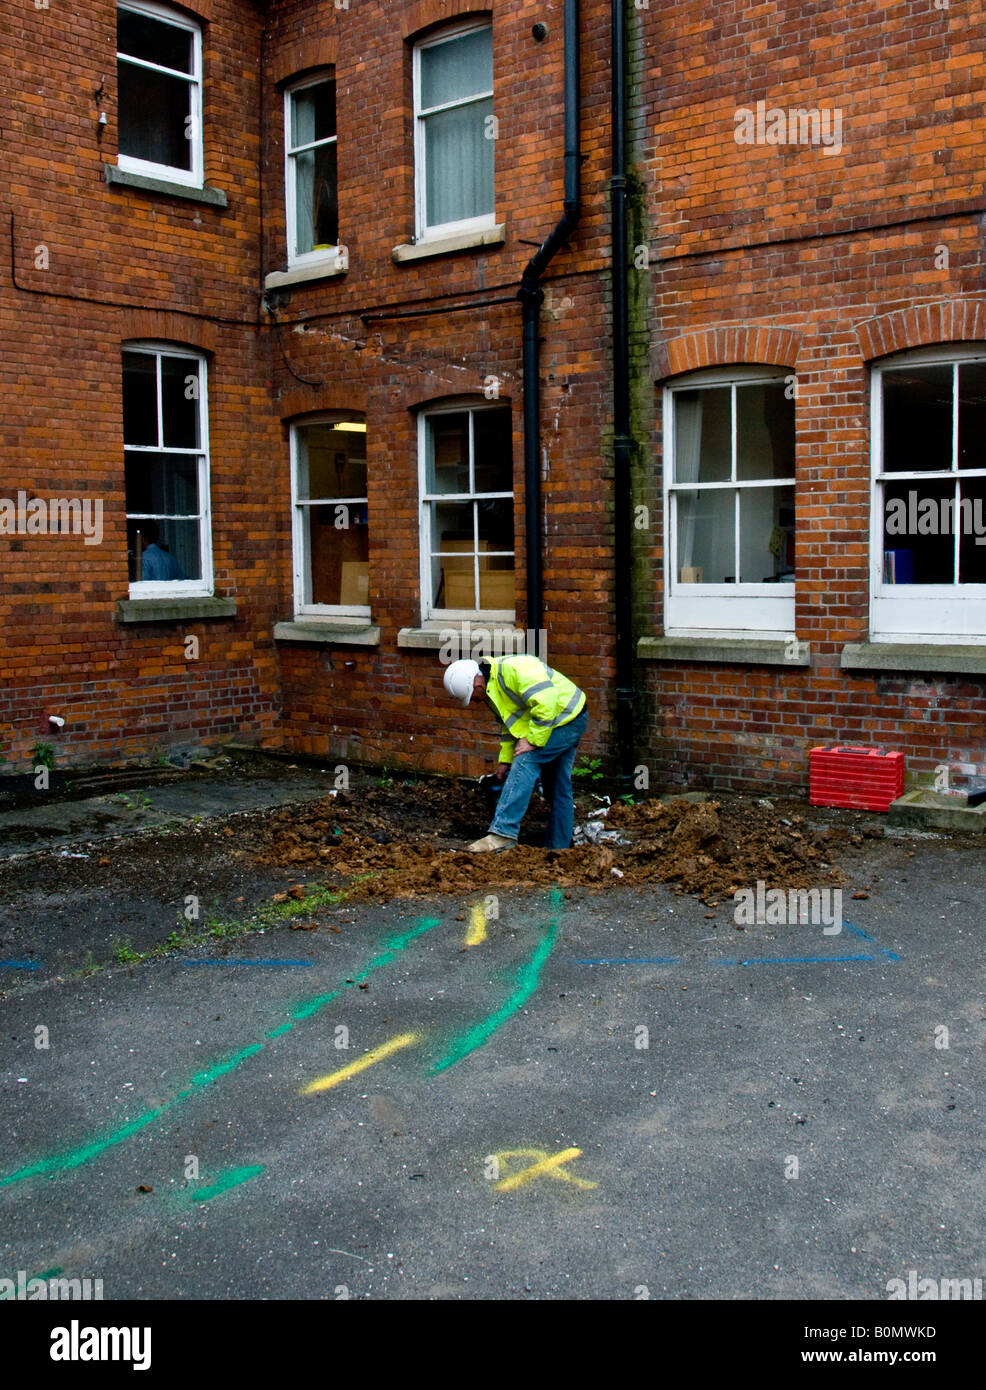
(553, 764)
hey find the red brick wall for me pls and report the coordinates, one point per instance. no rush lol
(387, 704)
(164, 268)
(909, 80)
(160, 268)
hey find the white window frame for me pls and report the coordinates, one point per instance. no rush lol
(429, 613)
(194, 177)
(424, 231)
(179, 588)
(334, 253)
(926, 613)
(755, 611)
(300, 548)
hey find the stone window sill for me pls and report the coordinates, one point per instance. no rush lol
(125, 179)
(917, 657)
(492, 635)
(328, 634)
(304, 274)
(442, 246)
(729, 651)
(173, 610)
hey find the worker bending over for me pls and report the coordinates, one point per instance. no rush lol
(542, 718)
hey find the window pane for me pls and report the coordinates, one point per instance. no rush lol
(458, 68)
(180, 402)
(331, 462)
(917, 419)
(496, 583)
(339, 555)
(155, 41)
(764, 431)
(313, 114)
(454, 573)
(304, 202)
(766, 534)
(702, 436)
(153, 117)
(452, 531)
(162, 484)
(316, 205)
(972, 522)
(493, 451)
(496, 524)
(326, 201)
(972, 415)
(165, 550)
(447, 453)
(918, 537)
(139, 398)
(458, 164)
(706, 537)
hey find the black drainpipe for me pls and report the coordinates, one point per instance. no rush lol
(531, 297)
(622, 441)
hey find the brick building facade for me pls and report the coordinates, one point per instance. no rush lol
(262, 304)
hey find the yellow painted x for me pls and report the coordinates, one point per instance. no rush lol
(544, 1165)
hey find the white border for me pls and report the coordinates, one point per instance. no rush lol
(180, 588)
(300, 554)
(757, 611)
(429, 613)
(335, 254)
(953, 614)
(424, 232)
(190, 178)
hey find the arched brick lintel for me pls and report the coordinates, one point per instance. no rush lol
(195, 9)
(310, 400)
(162, 326)
(430, 397)
(726, 347)
(303, 55)
(427, 13)
(947, 321)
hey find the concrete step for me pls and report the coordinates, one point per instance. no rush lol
(927, 809)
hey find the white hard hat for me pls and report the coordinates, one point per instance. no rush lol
(459, 679)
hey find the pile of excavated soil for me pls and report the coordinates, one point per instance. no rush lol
(379, 846)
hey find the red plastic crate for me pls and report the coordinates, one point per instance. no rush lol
(854, 776)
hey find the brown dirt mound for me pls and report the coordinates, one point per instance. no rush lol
(708, 848)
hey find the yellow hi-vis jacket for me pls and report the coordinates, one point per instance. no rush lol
(531, 701)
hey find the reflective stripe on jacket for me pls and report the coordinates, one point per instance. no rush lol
(530, 700)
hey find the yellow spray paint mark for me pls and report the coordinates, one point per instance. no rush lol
(545, 1165)
(325, 1083)
(476, 931)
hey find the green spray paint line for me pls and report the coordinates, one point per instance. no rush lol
(233, 1178)
(45, 1274)
(61, 1163)
(390, 950)
(213, 1073)
(526, 981)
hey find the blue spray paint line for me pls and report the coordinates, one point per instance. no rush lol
(20, 965)
(628, 960)
(858, 931)
(794, 960)
(247, 961)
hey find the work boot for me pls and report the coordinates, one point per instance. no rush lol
(491, 842)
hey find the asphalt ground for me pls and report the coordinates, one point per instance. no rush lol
(790, 1127)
